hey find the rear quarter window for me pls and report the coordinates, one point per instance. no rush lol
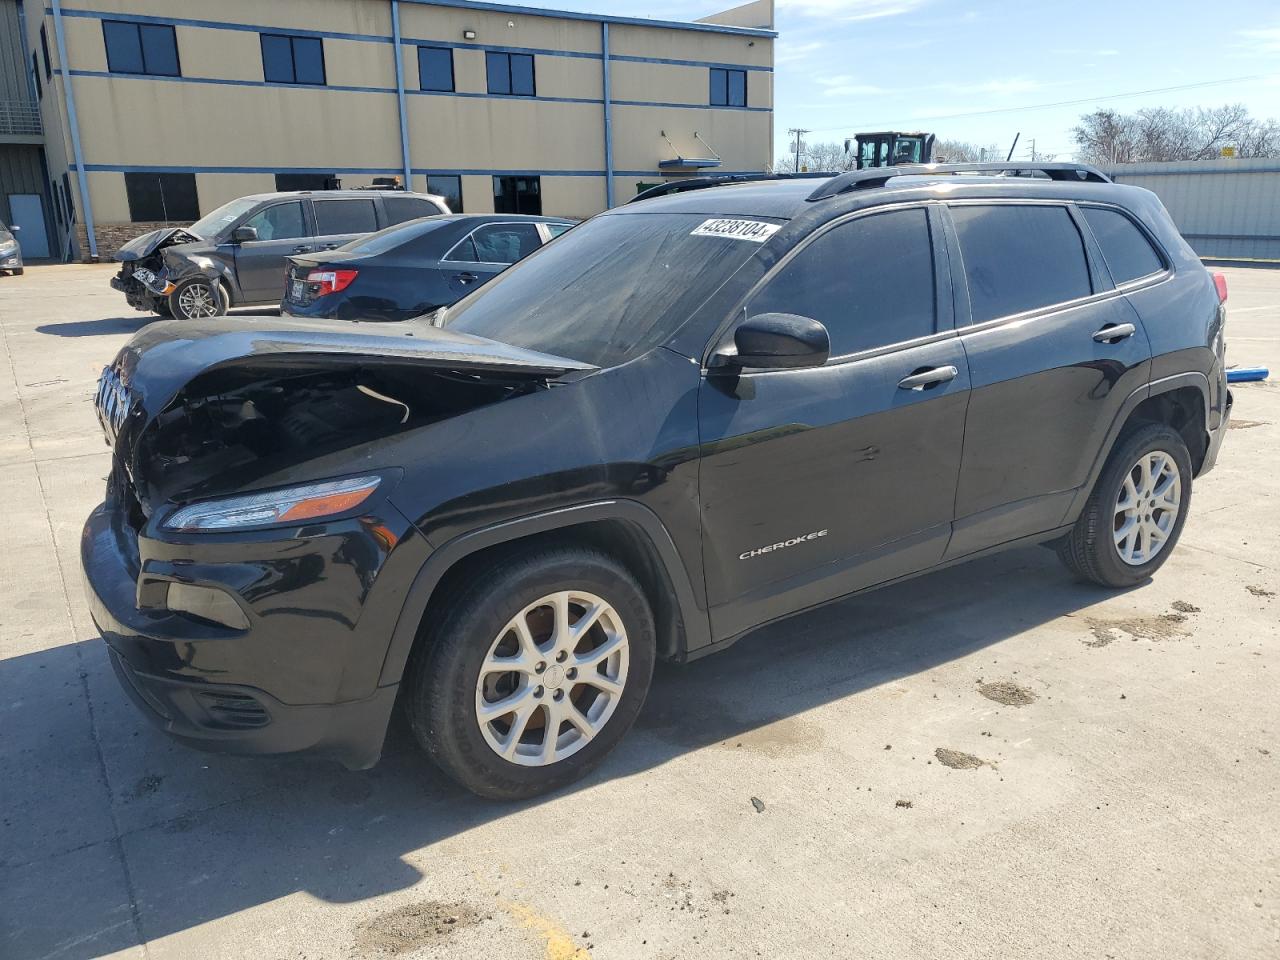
(1126, 249)
(1019, 258)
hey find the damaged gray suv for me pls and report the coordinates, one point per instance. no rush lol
(237, 255)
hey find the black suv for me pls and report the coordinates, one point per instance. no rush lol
(237, 255)
(685, 418)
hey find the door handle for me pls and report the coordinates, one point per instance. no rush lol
(928, 378)
(465, 277)
(330, 246)
(302, 249)
(1115, 332)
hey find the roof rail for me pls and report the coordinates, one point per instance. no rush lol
(879, 176)
(702, 183)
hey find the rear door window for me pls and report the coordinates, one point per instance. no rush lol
(400, 209)
(870, 282)
(1019, 258)
(1126, 249)
(500, 243)
(336, 217)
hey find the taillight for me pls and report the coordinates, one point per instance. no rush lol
(330, 281)
(1220, 282)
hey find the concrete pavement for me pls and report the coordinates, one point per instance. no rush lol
(1111, 784)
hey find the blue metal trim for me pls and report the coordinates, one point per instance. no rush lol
(223, 25)
(495, 48)
(597, 17)
(375, 171)
(691, 106)
(400, 101)
(667, 61)
(105, 75)
(86, 203)
(498, 96)
(606, 69)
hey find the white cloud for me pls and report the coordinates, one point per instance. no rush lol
(846, 86)
(1000, 88)
(851, 9)
(791, 53)
(1263, 39)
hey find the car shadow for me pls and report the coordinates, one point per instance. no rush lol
(253, 831)
(106, 326)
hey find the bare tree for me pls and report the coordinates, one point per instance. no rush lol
(962, 151)
(1161, 134)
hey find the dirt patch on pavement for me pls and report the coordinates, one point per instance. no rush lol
(1166, 626)
(1183, 607)
(1260, 591)
(1007, 692)
(958, 759)
(416, 925)
(1247, 424)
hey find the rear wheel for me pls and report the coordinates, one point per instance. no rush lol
(161, 308)
(1136, 511)
(535, 673)
(197, 298)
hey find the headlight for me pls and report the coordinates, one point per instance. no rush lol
(7, 247)
(292, 505)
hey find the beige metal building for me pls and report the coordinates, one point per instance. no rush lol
(161, 110)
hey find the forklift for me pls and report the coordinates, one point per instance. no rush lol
(891, 149)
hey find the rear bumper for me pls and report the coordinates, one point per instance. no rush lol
(273, 688)
(1216, 436)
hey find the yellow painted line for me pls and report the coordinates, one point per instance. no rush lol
(559, 944)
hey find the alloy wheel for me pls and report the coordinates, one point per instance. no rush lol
(552, 678)
(197, 301)
(1146, 508)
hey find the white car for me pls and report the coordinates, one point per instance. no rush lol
(10, 252)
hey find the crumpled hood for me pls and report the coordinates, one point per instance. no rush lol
(163, 358)
(140, 248)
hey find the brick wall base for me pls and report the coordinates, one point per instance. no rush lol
(112, 236)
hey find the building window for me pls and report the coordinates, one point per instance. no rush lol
(517, 195)
(305, 181)
(292, 59)
(728, 88)
(44, 48)
(435, 69)
(510, 73)
(71, 203)
(162, 197)
(146, 48)
(448, 187)
(35, 78)
(55, 191)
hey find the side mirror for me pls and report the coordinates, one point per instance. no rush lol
(244, 234)
(773, 340)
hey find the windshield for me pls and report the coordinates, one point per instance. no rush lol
(212, 224)
(391, 237)
(606, 291)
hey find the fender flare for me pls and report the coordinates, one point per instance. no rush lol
(1132, 402)
(212, 269)
(694, 618)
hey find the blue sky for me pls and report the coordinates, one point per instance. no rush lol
(848, 65)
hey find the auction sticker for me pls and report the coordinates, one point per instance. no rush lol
(752, 230)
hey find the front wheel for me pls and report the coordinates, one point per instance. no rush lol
(1136, 511)
(534, 674)
(197, 298)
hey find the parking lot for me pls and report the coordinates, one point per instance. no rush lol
(988, 761)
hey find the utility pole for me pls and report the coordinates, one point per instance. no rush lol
(797, 133)
(1033, 149)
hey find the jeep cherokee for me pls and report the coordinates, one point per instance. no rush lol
(686, 418)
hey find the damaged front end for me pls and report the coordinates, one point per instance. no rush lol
(146, 276)
(245, 548)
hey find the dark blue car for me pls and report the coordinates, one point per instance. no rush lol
(412, 268)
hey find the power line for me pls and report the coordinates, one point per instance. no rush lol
(1059, 103)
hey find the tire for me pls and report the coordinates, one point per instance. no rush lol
(444, 689)
(18, 272)
(1095, 550)
(197, 298)
(161, 309)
